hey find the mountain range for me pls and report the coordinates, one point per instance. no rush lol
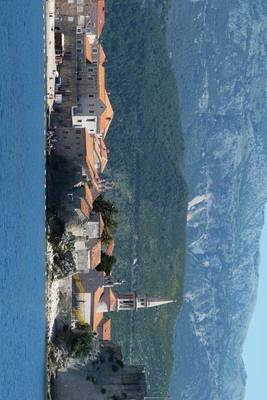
(218, 51)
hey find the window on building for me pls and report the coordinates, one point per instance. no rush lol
(95, 50)
(91, 95)
(90, 69)
(90, 78)
(78, 131)
(79, 120)
(79, 41)
(91, 111)
(67, 147)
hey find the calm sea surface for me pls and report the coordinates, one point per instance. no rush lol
(22, 220)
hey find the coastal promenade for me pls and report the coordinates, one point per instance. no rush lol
(50, 53)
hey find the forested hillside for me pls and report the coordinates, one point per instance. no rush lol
(146, 163)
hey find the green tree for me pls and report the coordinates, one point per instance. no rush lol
(80, 340)
(107, 263)
(109, 213)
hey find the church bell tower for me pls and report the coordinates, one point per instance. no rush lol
(112, 301)
(131, 301)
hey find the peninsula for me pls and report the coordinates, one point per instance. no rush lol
(80, 219)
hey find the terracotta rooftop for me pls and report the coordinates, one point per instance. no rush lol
(112, 300)
(101, 225)
(85, 209)
(101, 55)
(88, 50)
(101, 83)
(107, 116)
(106, 333)
(100, 16)
(110, 248)
(89, 143)
(96, 254)
(88, 196)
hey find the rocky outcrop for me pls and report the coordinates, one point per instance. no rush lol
(105, 378)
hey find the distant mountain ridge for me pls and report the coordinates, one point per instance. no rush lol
(219, 54)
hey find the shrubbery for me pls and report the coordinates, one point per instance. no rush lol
(80, 340)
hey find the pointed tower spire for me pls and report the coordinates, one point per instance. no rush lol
(157, 301)
(148, 302)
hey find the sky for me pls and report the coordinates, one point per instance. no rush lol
(255, 350)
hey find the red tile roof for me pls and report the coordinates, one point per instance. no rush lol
(88, 50)
(89, 143)
(101, 83)
(107, 116)
(106, 333)
(85, 209)
(101, 55)
(96, 254)
(112, 300)
(110, 248)
(101, 225)
(88, 196)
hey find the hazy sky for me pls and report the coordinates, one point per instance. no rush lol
(255, 351)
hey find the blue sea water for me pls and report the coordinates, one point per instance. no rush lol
(22, 214)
